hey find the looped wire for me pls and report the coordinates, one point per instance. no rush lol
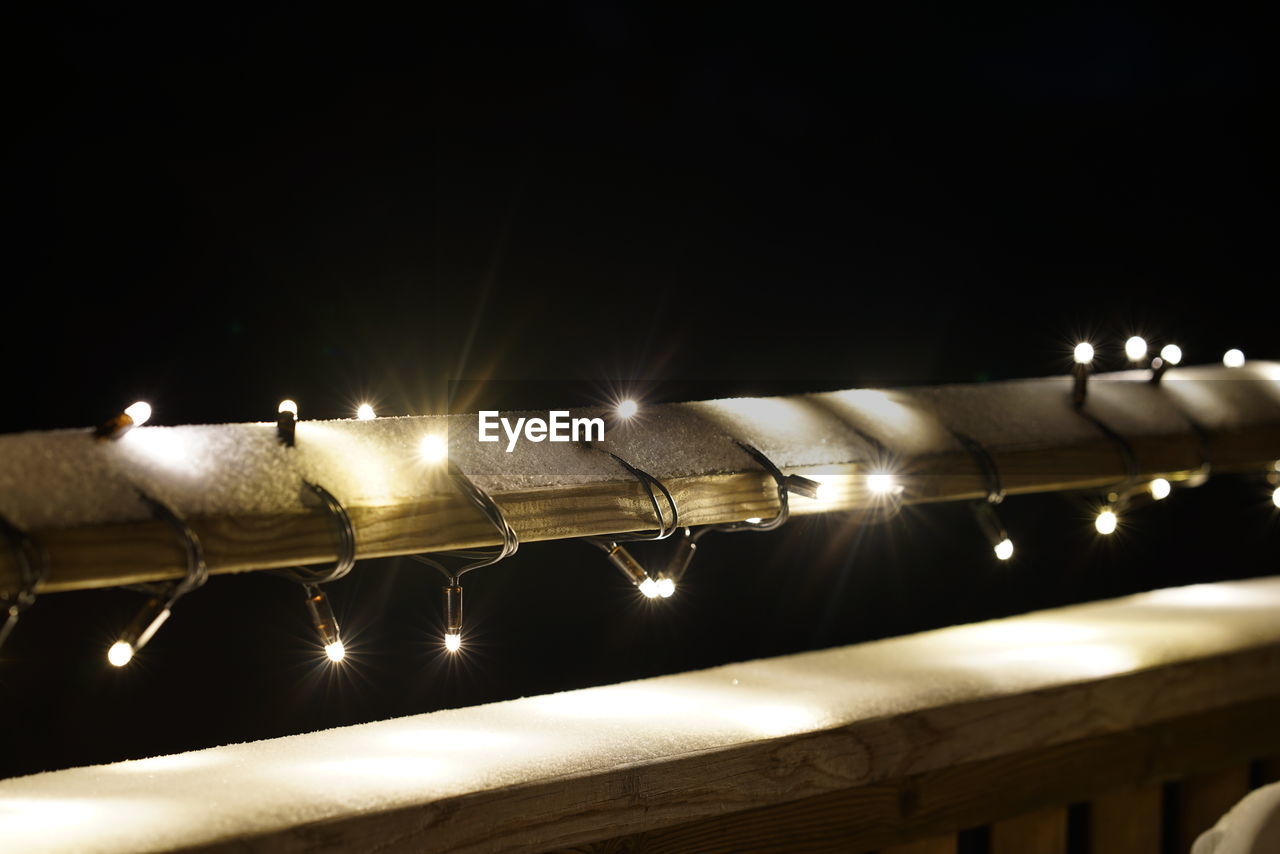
(197, 570)
(346, 532)
(32, 565)
(1126, 450)
(475, 558)
(987, 464)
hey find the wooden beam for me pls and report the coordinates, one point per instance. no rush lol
(1053, 455)
(1204, 798)
(1128, 820)
(1043, 831)
(857, 748)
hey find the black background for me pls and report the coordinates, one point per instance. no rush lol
(214, 210)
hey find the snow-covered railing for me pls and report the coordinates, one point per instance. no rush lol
(241, 490)
(1116, 726)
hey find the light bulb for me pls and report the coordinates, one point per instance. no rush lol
(288, 406)
(1275, 497)
(649, 588)
(1004, 549)
(627, 408)
(452, 641)
(364, 412)
(1171, 353)
(1160, 489)
(881, 484)
(754, 520)
(1083, 353)
(1136, 348)
(336, 651)
(666, 587)
(432, 448)
(1106, 521)
(140, 412)
(1233, 358)
(120, 654)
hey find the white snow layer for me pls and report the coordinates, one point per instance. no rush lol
(240, 790)
(66, 478)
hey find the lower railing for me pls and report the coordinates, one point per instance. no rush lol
(1123, 726)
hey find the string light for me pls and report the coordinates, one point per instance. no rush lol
(1004, 549)
(1275, 497)
(432, 448)
(1106, 521)
(882, 483)
(140, 631)
(1160, 489)
(452, 617)
(364, 412)
(1083, 356)
(120, 653)
(1170, 355)
(666, 587)
(1233, 358)
(1136, 348)
(287, 422)
(134, 415)
(627, 409)
(325, 623)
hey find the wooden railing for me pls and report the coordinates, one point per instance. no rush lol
(1229, 417)
(1124, 726)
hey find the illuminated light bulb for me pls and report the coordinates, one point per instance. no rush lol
(287, 422)
(364, 412)
(336, 651)
(140, 412)
(649, 588)
(1004, 549)
(134, 415)
(1275, 497)
(1160, 489)
(325, 622)
(1135, 348)
(1106, 521)
(1171, 353)
(665, 586)
(627, 408)
(1233, 358)
(120, 654)
(452, 641)
(1083, 354)
(432, 448)
(754, 520)
(881, 484)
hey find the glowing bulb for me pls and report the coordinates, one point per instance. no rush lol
(665, 587)
(432, 448)
(1233, 358)
(649, 588)
(140, 412)
(881, 484)
(1275, 497)
(1135, 348)
(627, 408)
(1160, 489)
(1106, 521)
(336, 651)
(1171, 353)
(365, 412)
(120, 654)
(754, 520)
(1004, 549)
(1083, 353)
(288, 406)
(452, 641)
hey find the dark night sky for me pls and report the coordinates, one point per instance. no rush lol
(216, 210)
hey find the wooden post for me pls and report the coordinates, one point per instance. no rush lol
(1127, 820)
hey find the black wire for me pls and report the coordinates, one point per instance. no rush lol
(346, 558)
(474, 558)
